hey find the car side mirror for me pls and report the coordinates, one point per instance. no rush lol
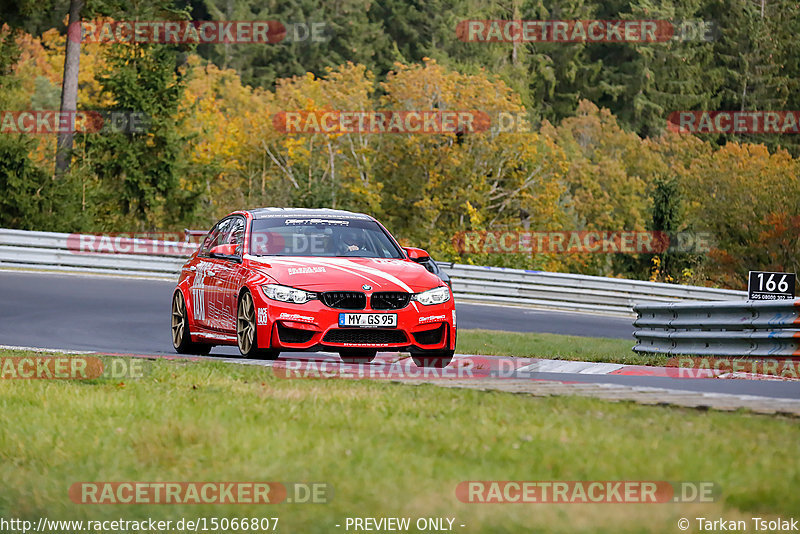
(225, 252)
(417, 254)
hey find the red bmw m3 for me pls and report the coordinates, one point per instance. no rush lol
(275, 280)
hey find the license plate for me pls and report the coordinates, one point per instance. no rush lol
(368, 319)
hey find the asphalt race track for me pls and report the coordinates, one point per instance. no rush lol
(131, 316)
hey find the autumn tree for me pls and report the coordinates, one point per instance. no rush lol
(439, 185)
(738, 194)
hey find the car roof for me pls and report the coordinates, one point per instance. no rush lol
(265, 213)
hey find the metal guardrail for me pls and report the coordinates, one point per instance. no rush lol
(571, 291)
(57, 251)
(736, 328)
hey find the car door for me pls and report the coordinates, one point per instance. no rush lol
(230, 276)
(205, 305)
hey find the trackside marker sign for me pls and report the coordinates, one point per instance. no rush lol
(770, 286)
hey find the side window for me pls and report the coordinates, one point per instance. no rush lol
(215, 237)
(235, 234)
(206, 246)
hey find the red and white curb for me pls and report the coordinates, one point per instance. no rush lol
(595, 368)
(565, 366)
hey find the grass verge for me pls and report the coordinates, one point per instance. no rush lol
(386, 449)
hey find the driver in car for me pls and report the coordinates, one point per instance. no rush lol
(353, 240)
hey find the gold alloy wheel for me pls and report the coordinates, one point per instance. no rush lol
(178, 319)
(246, 323)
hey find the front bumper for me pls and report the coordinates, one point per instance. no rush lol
(313, 326)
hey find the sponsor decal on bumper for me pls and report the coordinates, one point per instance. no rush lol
(431, 318)
(296, 317)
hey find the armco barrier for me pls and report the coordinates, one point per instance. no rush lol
(570, 291)
(52, 251)
(734, 328)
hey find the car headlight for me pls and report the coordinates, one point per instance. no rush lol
(437, 295)
(287, 294)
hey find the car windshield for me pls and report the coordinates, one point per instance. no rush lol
(321, 237)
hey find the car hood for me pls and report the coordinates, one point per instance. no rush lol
(346, 274)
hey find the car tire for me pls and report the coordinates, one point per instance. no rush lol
(247, 331)
(181, 338)
(437, 359)
(357, 355)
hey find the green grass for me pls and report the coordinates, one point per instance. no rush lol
(553, 346)
(387, 449)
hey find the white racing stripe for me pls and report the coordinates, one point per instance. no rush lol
(343, 265)
(356, 269)
(352, 269)
(311, 264)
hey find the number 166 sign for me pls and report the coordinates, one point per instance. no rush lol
(770, 286)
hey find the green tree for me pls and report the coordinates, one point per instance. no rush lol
(31, 199)
(139, 171)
